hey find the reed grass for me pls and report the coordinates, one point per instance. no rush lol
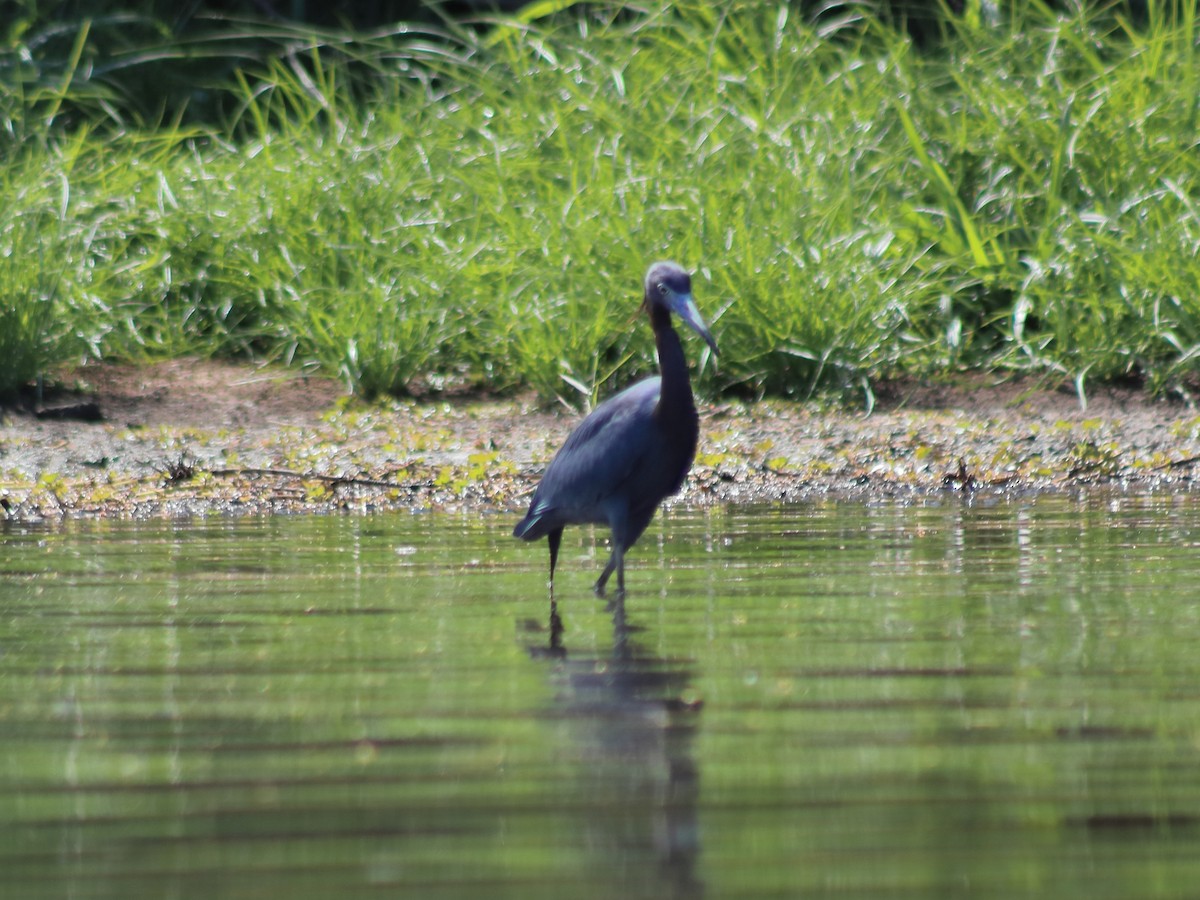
(412, 210)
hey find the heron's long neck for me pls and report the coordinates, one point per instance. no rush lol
(676, 394)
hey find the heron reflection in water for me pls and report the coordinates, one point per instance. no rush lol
(635, 449)
(629, 719)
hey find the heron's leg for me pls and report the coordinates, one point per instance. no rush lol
(616, 563)
(553, 538)
(603, 579)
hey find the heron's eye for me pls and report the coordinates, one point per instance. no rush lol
(662, 289)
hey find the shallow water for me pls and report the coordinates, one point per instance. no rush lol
(996, 699)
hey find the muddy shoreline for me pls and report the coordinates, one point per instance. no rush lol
(197, 438)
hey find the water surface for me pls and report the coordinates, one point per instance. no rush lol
(997, 699)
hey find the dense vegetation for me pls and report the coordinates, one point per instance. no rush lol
(414, 207)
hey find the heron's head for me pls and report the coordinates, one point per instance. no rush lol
(669, 287)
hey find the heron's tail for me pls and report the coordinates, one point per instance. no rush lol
(538, 522)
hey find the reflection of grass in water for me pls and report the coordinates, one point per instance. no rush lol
(894, 695)
(416, 211)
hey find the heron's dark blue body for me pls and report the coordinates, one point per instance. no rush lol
(634, 449)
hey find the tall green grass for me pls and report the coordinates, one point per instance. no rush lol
(38, 253)
(410, 210)
(30, 339)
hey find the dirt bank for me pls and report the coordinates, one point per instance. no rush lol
(192, 437)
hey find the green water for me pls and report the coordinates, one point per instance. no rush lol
(946, 699)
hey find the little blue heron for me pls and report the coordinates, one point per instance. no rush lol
(634, 449)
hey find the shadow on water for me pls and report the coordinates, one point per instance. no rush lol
(626, 721)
